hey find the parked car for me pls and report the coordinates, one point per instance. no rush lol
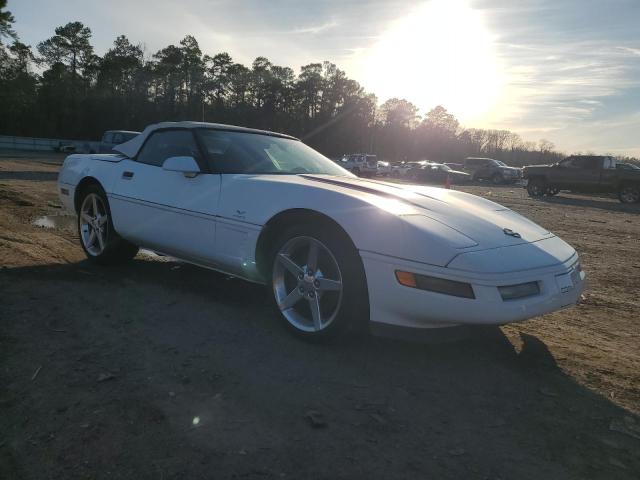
(400, 169)
(413, 168)
(360, 164)
(65, 148)
(627, 166)
(437, 173)
(489, 169)
(584, 173)
(111, 138)
(384, 169)
(455, 166)
(337, 251)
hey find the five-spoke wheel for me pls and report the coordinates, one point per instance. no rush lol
(307, 283)
(98, 238)
(93, 224)
(318, 282)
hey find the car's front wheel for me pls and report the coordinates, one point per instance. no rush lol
(318, 283)
(629, 194)
(99, 240)
(536, 187)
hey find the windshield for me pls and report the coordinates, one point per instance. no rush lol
(241, 152)
(502, 164)
(627, 166)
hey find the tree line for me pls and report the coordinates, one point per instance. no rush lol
(62, 89)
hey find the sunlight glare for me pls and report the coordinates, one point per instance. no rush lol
(439, 54)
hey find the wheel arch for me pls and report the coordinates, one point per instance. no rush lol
(538, 177)
(276, 224)
(82, 185)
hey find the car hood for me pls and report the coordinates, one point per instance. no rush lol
(458, 172)
(487, 223)
(539, 166)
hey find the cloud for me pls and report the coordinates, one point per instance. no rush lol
(567, 77)
(316, 29)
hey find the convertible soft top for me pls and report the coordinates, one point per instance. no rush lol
(131, 148)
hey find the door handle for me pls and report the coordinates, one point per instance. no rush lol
(127, 175)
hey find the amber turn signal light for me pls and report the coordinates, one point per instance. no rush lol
(407, 279)
(435, 284)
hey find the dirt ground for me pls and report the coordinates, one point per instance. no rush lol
(159, 370)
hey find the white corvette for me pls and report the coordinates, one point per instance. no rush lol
(338, 251)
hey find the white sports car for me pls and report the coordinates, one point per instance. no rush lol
(338, 251)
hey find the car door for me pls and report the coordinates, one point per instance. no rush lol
(487, 169)
(588, 178)
(608, 175)
(579, 173)
(167, 211)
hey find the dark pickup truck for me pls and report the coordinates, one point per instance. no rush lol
(584, 173)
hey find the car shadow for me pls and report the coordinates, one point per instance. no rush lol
(29, 175)
(592, 202)
(158, 369)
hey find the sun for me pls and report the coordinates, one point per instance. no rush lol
(441, 53)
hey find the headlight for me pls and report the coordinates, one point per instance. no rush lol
(521, 290)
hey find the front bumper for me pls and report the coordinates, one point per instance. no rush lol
(395, 304)
(66, 194)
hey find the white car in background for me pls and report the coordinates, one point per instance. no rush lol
(400, 170)
(337, 251)
(384, 169)
(360, 164)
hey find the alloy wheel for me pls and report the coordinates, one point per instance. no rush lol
(93, 224)
(307, 284)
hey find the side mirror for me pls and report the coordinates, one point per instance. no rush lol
(187, 165)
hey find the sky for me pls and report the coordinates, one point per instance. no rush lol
(563, 70)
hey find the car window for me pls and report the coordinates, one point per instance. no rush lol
(118, 138)
(165, 144)
(582, 163)
(108, 138)
(240, 152)
(567, 162)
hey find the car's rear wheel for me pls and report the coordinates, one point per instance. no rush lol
(98, 238)
(629, 194)
(552, 190)
(536, 187)
(356, 171)
(318, 283)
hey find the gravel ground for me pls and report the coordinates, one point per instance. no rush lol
(160, 370)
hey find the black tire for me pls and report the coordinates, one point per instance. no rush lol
(629, 193)
(552, 191)
(356, 171)
(536, 187)
(497, 179)
(352, 315)
(116, 249)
